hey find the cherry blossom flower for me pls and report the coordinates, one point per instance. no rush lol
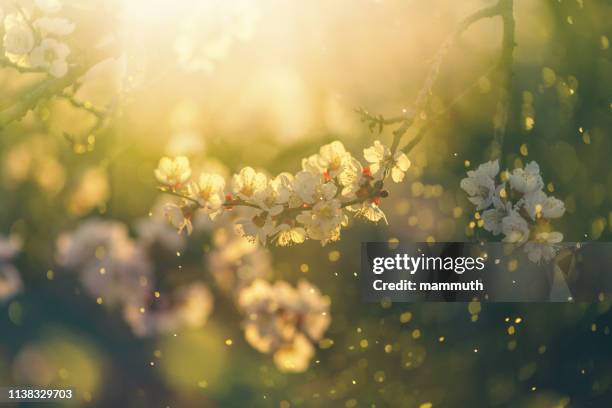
(515, 228)
(209, 192)
(49, 6)
(324, 221)
(538, 204)
(248, 183)
(288, 209)
(480, 184)
(18, 37)
(10, 280)
(54, 26)
(333, 157)
(379, 156)
(51, 55)
(286, 235)
(518, 208)
(179, 217)
(526, 180)
(235, 262)
(108, 262)
(543, 247)
(188, 307)
(272, 198)
(284, 321)
(173, 172)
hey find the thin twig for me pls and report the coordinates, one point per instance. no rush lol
(425, 93)
(48, 88)
(98, 113)
(500, 120)
(5, 62)
(434, 119)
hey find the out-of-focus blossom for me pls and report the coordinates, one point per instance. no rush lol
(155, 234)
(10, 280)
(235, 262)
(54, 26)
(92, 190)
(178, 217)
(379, 156)
(18, 37)
(543, 247)
(51, 55)
(284, 321)
(185, 143)
(188, 307)
(207, 35)
(109, 263)
(173, 172)
(49, 6)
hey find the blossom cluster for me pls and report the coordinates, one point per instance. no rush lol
(32, 36)
(290, 208)
(284, 321)
(118, 271)
(10, 280)
(279, 319)
(516, 207)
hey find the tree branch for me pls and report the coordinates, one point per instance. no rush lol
(424, 94)
(500, 120)
(46, 89)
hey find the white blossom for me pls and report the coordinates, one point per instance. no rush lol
(49, 6)
(258, 226)
(51, 55)
(108, 262)
(311, 188)
(480, 184)
(526, 180)
(333, 157)
(538, 204)
(208, 191)
(379, 156)
(10, 279)
(173, 172)
(324, 221)
(277, 193)
(515, 228)
(18, 37)
(286, 235)
(543, 247)
(178, 217)
(54, 26)
(248, 183)
(284, 321)
(369, 210)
